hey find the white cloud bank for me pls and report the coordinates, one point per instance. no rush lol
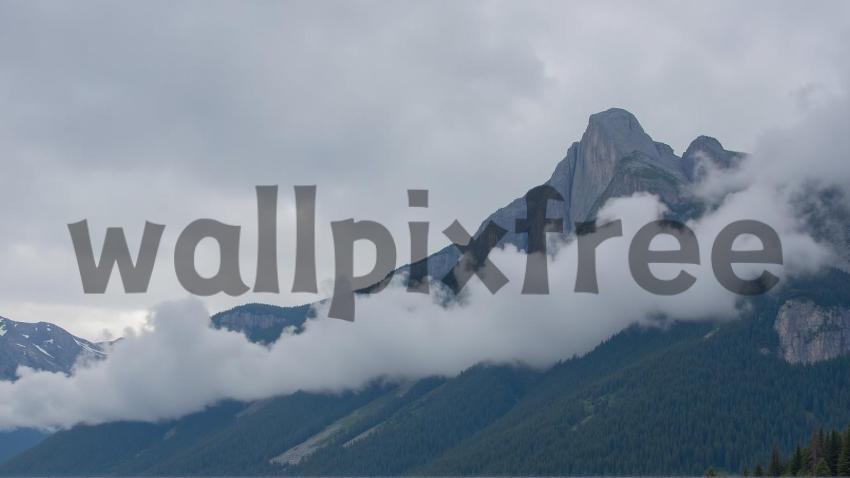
(180, 365)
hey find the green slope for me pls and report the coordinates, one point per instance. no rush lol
(16, 441)
(673, 399)
(713, 399)
(427, 427)
(231, 438)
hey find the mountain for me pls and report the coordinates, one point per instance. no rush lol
(41, 346)
(671, 399)
(399, 425)
(262, 323)
(704, 152)
(712, 396)
(17, 441)
(614, 158)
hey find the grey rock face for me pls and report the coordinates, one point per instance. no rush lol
(610, 136)
(810, 333)
(706, 148)
(594, 169)
(41, 346)
(636, 173)
(615, 158)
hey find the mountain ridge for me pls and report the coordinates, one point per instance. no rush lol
(41, 346)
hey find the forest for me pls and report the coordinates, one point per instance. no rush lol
(827, 453)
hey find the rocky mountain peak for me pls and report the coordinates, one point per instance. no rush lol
(611, 136)
(617, 117)
(41, 346)
(706, 148)
(615, 133)
(705, 143)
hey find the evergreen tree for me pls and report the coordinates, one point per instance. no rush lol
(710, 471)
(828, 455)
(775, 466)
(833, 451)
(746, 471)
(796, 462)
(759, 471)
(822, 468)
(808, 463)
(816, 446)
(844, 459)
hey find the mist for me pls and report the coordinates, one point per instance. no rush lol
(178, 364)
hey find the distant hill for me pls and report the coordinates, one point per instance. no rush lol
(40, 346)
(262, 323)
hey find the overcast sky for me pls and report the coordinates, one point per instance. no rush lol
(120, 113)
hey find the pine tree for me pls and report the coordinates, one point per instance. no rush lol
(844, 459)
(808, 464)
(833, 451)
(775, 466)
(759, 471)
(796, 463)
(822, 469)
(746, 471)
(816, 446)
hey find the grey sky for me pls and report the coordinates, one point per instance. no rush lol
(168, 112)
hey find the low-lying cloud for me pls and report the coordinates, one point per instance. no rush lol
(179, 364)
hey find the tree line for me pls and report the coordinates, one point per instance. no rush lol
(827, 453)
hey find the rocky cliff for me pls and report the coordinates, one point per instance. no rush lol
(614, 158)
(810, 333)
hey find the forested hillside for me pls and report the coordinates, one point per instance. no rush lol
(825, 454)
(678, 398)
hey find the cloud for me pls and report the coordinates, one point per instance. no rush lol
(179, 364)
(108, 119)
